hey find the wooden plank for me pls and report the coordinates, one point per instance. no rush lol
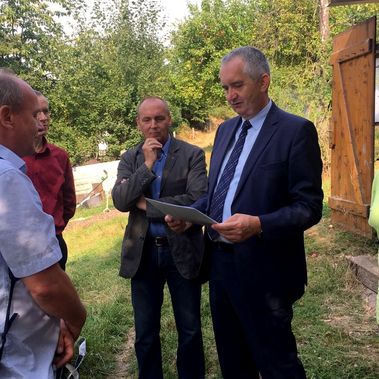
(335, 3)
(352, 223)
(352, 127)
(352, 52)
(350, 140)
(347, 206)
(366, 270)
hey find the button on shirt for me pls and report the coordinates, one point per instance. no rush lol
(252, 134)
(27, 246)
(157, 229)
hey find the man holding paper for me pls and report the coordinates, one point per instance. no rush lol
(172, 171)
(264, 191)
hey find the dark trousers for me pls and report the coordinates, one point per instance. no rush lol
(156, 268)
(63, 246)
(251, 338)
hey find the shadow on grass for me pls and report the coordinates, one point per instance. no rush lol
(107, 299)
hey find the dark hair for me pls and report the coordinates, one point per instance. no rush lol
(10, 91)
(256, 62)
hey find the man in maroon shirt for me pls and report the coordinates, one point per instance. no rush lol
(50, 171)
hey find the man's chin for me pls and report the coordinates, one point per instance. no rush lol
(237, 108)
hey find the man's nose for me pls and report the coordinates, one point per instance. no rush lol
(41, 116)
(230, 94)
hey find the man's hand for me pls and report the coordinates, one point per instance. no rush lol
(178, 226)
(55, 294)
(150, 150)
(65, 347)
(239, 227)
(141, 203)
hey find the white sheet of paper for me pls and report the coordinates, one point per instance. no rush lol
(181, 212)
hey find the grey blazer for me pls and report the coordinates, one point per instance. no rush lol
(183, 182)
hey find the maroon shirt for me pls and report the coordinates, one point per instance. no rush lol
(51, 173)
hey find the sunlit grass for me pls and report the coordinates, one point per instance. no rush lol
(337, 338)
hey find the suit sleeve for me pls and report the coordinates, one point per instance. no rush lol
(304, 190)
(131, 183)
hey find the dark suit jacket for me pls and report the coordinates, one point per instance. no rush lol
(183, 182)
(280, 183)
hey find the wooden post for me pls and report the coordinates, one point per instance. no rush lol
(324, 20)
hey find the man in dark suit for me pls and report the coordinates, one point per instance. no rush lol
(264, 192)
(172, 171)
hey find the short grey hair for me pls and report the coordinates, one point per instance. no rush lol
(256, 62)
(40, 94)
(10, 91)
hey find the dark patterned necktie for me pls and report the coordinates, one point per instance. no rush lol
(219, 195)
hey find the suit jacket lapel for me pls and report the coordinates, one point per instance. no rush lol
(268, 129)
(218, 154)
(140, 158)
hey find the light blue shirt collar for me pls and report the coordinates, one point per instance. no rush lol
(258, 120)
(13, 158)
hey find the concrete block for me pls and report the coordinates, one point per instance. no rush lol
(366, 269)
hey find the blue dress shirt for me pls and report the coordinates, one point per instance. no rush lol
(157, 229)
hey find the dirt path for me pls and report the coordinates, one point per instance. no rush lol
(83, 222)
(124, 357)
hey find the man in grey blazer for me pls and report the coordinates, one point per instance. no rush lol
(173, 171)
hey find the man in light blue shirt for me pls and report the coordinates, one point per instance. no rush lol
(42, 315)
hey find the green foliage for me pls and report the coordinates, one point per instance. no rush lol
(197, 48)
(28, 32)
(95, 78)
(342, 18)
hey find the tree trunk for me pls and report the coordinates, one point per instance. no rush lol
(324, 20)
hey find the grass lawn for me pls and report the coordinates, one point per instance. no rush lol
(336, 332)
(335, 327)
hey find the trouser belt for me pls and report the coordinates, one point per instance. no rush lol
(158, 241)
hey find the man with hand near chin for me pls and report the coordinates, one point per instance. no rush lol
(173, 171)
(50, 171)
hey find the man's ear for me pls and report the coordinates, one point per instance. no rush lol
(265, 82)
(6, 116)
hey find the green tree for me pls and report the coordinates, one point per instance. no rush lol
(104, 71)
(197, 47)
(29, 33)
